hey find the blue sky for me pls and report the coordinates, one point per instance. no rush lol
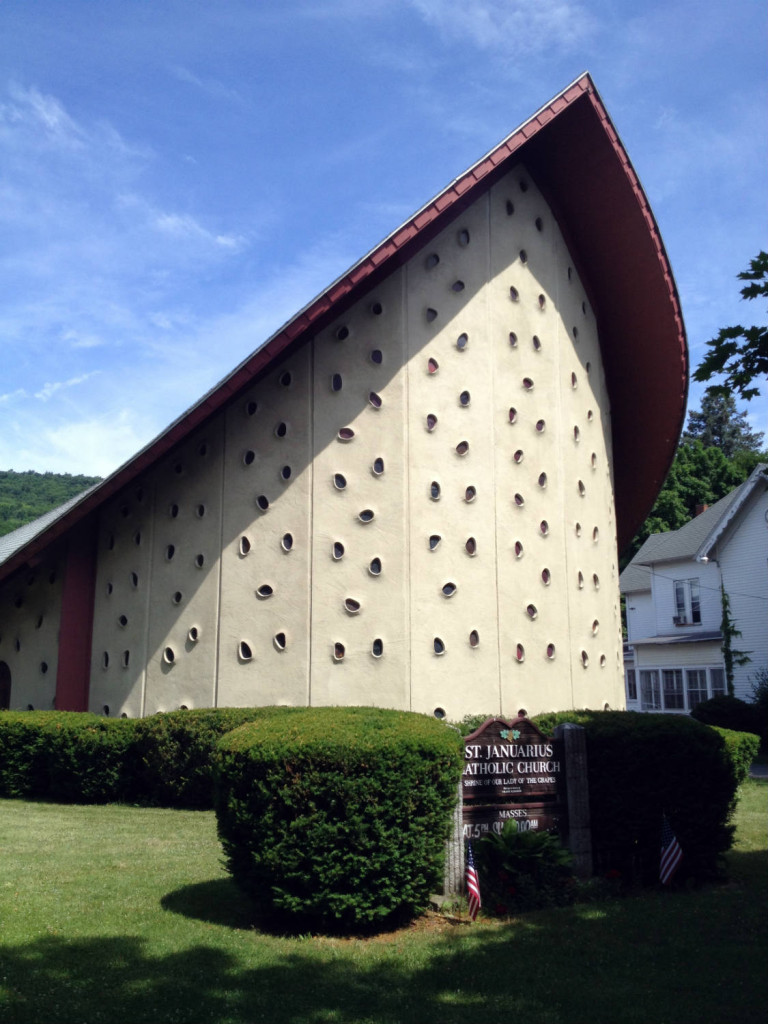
(177, 177)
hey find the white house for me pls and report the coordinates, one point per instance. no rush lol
(673, 588)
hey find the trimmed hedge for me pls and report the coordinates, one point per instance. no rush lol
(338, 815)
(644, 765)
(67, 756)
(732, 713)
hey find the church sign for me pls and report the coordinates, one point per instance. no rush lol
(511, 771)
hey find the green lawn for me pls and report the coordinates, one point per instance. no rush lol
(124, 915)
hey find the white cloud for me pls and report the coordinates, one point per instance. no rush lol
(11, 395)
(49, 389)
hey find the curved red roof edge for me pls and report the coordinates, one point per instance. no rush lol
(574, 153)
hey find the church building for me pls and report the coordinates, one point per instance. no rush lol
(411, 496)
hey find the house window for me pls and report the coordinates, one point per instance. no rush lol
(717, 681)
(631, 680)
(650, 693)
(687, 603)
(673, 689)
(696, 684)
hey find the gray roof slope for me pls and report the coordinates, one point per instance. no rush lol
(14, 541)
(688, 541)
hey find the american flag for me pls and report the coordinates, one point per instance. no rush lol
(473, 886)
(671, 854)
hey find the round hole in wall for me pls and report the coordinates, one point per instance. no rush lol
(377, 309)
(193, 634)
(462, 447)
(580, 580)
(544, 527)
(570, 273)
(461, 342)
(378, 466)
(337, 551)
(123, 620)
(584, 659)
(465, 398)
(471, 546)
(593, 460)
(366, 515)
(532, 611)
(546, 577)
(523, 256)
(431, 314)
(519, 500)
(265, 591)
(244, 546)
(262, 502)
(539, 224)
(342, 333)
(512, 415)
(541, 426)
(519, 455)
(111, 542)
(39, 622)
(52, 577)
(434, 490)
(170, 551)
(110, 588)
(463, 237)
(590, 415)
(375, 567)
(518, 549)
(126, 659)
(249, 457)
(286, 542)
(281, 429)
(588, 366)
(470, 493)
(577, 528)
(202, 449)
(339, 481)
(596, 535)
(528, 383)
(457, 286)
(474, 638)
(352, 605)
(575, 333)
(431, 422)
(542, 480)
(520, 652)
(338, 651)
(17, 646)
(251, 408)
(536, 342)
(582, 488)
(285, 379)
(200, 561)
(431, 261)
(177, 597)
(377, 356)
(200, 511)
(178, 468)
(550, 651)
(438, 645)
(169, 655)
(596, 581)
(449, 589)
(514, 294)
(43, 667)
(286, 472)
(377, 647)
(432, 365)
(374, 400)
(542, 301)
(124, 511)
(244, 651)
(595, 627)
(439, 713)
(602, 661)
(134, 578)
(345, 434)
(336, 382)
(279, 640)
(434, 541)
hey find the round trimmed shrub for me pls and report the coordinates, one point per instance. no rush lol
(338, 816)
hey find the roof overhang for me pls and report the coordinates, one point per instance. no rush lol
(577, 159)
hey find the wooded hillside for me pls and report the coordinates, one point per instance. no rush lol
(25, 496)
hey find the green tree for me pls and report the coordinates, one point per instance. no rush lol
(741, 353)
(719, 425)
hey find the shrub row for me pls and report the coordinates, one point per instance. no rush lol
(338, 815)
(731, 713)
(641, 766)
(165, 760)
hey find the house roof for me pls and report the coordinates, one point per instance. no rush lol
(695, 540)
(578, 161)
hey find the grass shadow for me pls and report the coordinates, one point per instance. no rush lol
(216, 902)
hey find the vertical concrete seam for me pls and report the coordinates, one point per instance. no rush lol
(150, 586)
(408, 532)
(490, 344)
(217, 609)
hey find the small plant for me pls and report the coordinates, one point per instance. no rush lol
(524, 870)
